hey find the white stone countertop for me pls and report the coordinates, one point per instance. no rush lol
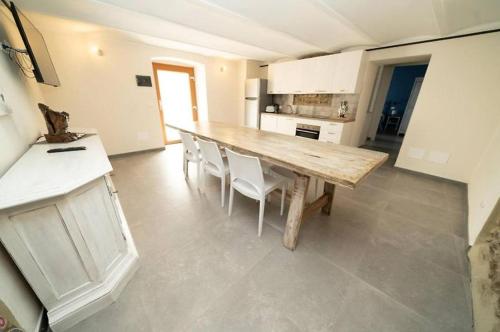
(40, 175)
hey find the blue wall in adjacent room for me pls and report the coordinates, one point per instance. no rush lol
(400, 88)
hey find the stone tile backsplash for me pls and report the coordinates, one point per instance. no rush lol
(318, 111)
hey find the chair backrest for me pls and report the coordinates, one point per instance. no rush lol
(189, 144)
(245, 168)
(210, 153)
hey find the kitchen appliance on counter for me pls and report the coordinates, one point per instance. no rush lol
(307, 131)
(272, 108)
(256, 100)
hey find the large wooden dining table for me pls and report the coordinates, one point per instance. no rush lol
(334, 163)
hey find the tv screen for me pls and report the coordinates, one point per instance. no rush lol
(43, 68)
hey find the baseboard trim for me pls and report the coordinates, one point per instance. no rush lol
(126, 154)
(43, 321)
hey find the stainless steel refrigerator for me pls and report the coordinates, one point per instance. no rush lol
(256, 100)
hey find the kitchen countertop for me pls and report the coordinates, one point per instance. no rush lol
(300, 116)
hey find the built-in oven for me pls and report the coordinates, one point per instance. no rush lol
(307, 131)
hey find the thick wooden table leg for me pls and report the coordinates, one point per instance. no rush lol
(329, 190)
(295, 212)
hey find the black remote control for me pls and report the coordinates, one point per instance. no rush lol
(76, 148)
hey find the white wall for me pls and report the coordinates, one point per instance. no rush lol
(379, 102)
(253, 69)
(17, 130)
(457, 112)
(100, 91)
(358, 136)
(484, 186)
(457, 109)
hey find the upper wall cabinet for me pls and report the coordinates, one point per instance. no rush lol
(337, 73)
(348, 72)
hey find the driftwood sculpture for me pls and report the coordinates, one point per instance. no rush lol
(57, 125)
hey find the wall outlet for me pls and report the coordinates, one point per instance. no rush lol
(438, 157)
(416, 153)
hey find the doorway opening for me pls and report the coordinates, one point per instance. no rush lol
(394, 99)
(176, 94)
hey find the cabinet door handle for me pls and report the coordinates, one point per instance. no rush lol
(298, 90)
(320, 90)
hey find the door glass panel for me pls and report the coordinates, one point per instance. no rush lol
(175, 95)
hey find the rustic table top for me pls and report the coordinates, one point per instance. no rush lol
(334, 163)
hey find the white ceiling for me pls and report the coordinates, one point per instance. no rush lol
(271, 29)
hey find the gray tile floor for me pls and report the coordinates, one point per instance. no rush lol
(390, 258)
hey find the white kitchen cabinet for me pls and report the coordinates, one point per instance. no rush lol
(286, 125)
(318, 74)
(268, 122)
(338, 73)
(62, 223)
(330, 131)
(284, 77)
(348, 72)
(335, 132)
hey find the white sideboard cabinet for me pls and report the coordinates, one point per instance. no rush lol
(62, 223)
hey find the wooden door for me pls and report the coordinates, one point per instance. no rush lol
(158, 67)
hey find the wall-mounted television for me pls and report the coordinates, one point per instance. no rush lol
(43, 68)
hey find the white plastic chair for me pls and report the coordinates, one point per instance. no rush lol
(248, 179)
(190, 154)
(278, 171)
(213, 163)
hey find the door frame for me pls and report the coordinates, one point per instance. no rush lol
(192, 87)
(412, 101)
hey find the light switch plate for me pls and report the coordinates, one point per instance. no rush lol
(416, 153)
(4, 109)
(438, 157)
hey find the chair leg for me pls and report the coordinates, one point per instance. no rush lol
(222, 189)
(231, 196)
(185, 167)
(261, 214)
(283, 195)
(198, 172)
(205, 178)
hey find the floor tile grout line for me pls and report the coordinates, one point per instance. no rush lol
(437, 232)
(366, 283)
(401, 216)
(228, 288)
